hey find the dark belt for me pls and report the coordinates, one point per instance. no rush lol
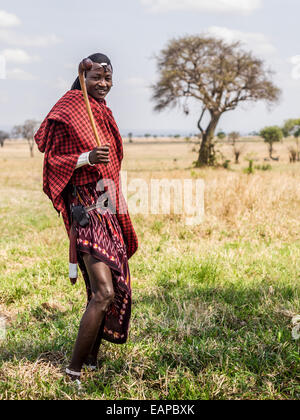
(80, 213)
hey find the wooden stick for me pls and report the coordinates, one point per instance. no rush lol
(86, 65)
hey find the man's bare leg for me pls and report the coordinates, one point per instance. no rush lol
(93, 356)
(102, 296)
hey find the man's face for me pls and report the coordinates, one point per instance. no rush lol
(98, 81)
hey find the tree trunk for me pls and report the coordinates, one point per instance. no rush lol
(237, 157)
(271, 150)
(206, 153)
(31, 146)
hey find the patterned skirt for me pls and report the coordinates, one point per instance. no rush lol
(103, 239)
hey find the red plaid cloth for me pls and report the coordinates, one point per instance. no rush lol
(64, 135)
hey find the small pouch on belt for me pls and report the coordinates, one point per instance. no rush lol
(80, 215)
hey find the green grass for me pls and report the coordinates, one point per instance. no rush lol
(211, 318)
(202, 327)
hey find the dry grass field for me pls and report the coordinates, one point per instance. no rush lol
(212, 304)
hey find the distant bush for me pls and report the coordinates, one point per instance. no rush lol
(271, 135)
(293, 154)
(250, 169)
(226, 164)
(263, 167)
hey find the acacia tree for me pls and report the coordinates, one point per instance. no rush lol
(27, 131)
(292, 128)
(219, 75)
(3, 136)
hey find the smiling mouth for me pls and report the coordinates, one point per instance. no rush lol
(102, 91)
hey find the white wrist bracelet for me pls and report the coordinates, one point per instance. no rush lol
(88, 158)
(84, 160)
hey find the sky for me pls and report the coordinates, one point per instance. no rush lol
(43, 41)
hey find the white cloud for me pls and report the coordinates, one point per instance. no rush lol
(17, 56)
(215, 6)
(19, 74)
(258, 42)
(4, 98)
(8, 19)
(138, 84)
(295, 60)
(14, 39)
(71, 66)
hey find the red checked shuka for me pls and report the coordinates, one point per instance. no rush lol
(63, 136)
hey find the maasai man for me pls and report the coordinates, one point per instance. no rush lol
(103, 236)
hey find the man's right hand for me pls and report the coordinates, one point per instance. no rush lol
(100, 155)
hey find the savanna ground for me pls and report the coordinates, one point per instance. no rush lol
(212, 304)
